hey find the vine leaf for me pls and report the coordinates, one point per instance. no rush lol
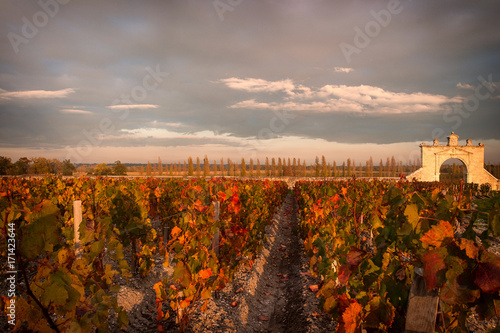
(411, 212)
(487, 273)
(344, 274)
(175, 231)
(42, 232)
(434, 263)
(206, 273)
(351, 317)
(438, 234)
(380, 312)
(470, 248)
(355, 256)
(454, 293)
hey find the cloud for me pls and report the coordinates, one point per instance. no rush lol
(260, 85)
(35, 94)
(342, 98)
(132, 106)
(343, 69)
(464, 86)
(75, 111)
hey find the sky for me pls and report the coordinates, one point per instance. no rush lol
(100, 81)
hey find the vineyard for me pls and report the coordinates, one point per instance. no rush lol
(365, 243)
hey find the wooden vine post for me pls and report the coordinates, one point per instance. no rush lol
(422, 306)
(77, 214)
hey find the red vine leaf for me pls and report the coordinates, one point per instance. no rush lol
(487, 273)
(355, 256)
(344, 274)
(433, 263)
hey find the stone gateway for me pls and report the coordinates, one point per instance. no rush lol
(472, 157)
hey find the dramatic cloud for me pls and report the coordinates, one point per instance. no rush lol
(341, 98)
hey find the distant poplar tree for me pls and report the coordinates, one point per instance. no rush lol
(221, 166)
(288, 170)
(393, 167)
(317, 167)
(334, 169)
(324, 172)
(149, 169)
(370, 167)
(349, 167)
(206, 167)
(243, 168)
(267, 168)
(198, 167)
(160, 167)
(343, 169)
(251, 167)
(190, 166)
(273, 167)
(258, 168)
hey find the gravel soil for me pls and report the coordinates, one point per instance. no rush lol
(273, 295)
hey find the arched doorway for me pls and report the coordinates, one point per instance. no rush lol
(452, 171)
(472, 158)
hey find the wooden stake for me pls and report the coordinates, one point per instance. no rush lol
(422, 306)
(77, 214)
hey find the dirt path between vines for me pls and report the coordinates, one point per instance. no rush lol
(273, 295)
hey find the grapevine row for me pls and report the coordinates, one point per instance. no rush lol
(60, 291)
(367, 240)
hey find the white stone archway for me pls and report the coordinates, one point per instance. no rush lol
(434, 156)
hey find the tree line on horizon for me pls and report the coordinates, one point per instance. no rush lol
(271, 167)
(293, 167)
